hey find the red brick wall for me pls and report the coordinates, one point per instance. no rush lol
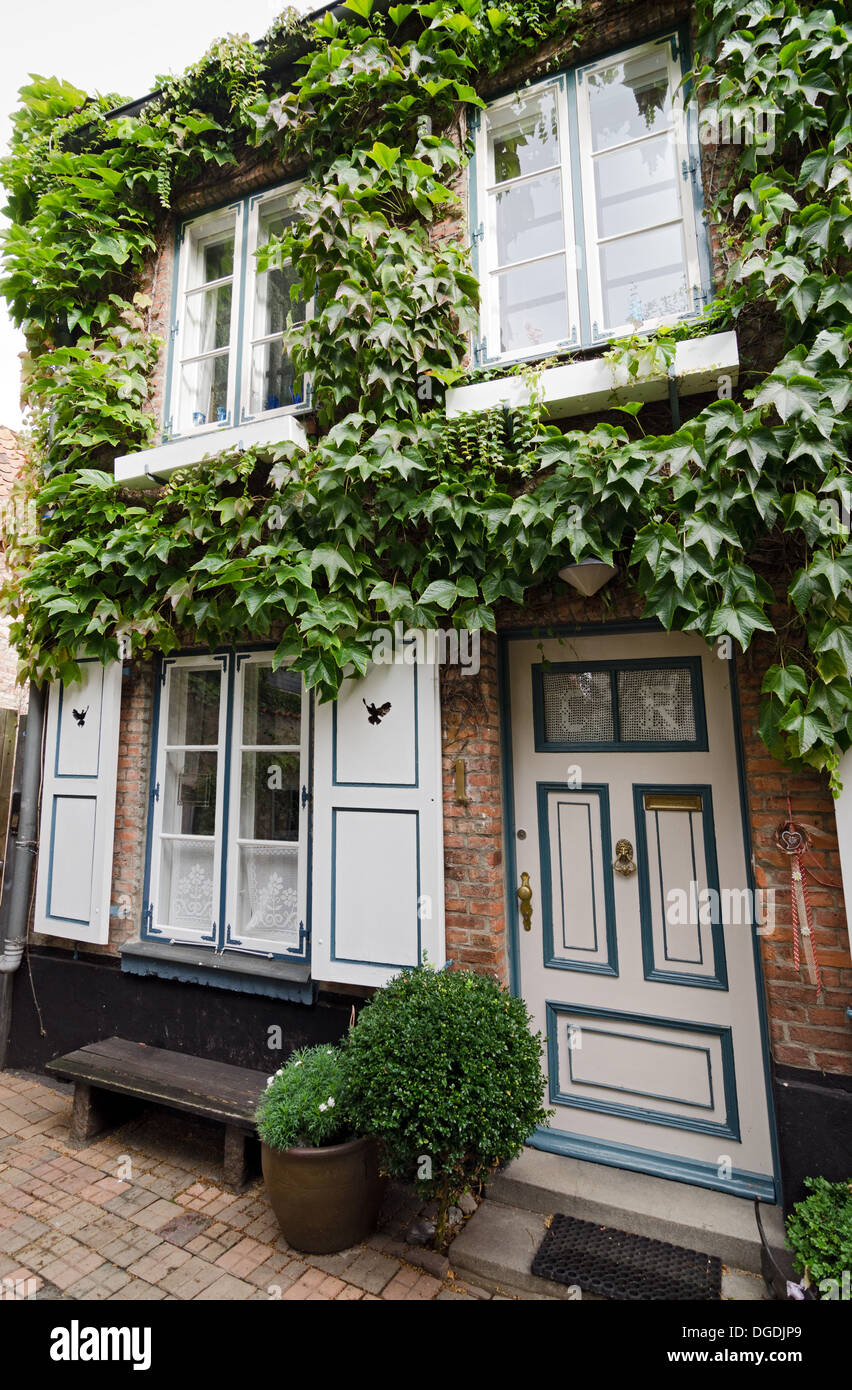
(808, 1029)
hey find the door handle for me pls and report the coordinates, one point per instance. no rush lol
(525, 899)
(624, 862)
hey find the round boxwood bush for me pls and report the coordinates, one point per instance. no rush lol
(443, 1068)
(819, 1232)
(304, 1104)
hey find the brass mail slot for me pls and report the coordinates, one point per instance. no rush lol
(671, 801)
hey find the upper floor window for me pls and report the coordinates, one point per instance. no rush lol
(584, 208)
(229, 363)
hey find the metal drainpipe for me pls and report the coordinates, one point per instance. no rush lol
(13, 925)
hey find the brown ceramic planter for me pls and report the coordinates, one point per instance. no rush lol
(325, 1199)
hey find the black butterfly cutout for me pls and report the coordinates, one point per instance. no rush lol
(376, 712)
(80, 715)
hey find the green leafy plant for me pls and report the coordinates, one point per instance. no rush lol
(442, 1067)
(304, 1104)
(735, 526)
(819, 1230)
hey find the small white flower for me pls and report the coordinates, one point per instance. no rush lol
(330, 1102)
(298, 1062)
(323, 1107)
(269, 1081)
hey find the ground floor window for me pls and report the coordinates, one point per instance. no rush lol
(228, 844)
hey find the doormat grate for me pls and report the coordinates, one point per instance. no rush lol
(619, 1265)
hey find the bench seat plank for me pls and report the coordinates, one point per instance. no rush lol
(216, 1090)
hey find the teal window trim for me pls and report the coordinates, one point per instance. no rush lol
(237, 412)
(570, 79)
(616, 744)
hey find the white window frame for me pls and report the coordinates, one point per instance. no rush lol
(689, 235)
(217, 935)
(489, 267)
(583, 268)
(244, 217)
(259, 945)
(166, 931)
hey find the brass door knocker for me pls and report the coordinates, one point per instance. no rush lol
(624, 863)
(525, 899)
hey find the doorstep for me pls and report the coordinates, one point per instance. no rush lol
(496, 1249)
(698, 1218)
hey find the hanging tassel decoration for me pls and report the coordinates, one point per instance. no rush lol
(794, 840)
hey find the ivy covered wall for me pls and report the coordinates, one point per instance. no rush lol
(730, 526)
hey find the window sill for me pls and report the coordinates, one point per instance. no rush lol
(247, 974)
(582, 388)
(150, 466)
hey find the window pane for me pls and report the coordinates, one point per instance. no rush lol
(577, 707)
(533, 305)
(636, 187)
(529, 219)
(629, 99)
(274, 382)
(194, 705)
(208, 320)
(658, 290)
(189, 794)
(269, 796)
(204, 390)
(185, 896)
(656, 706)
(272, 708)
(524, 136)
(218, 259)
(268, 898)
(273, 302)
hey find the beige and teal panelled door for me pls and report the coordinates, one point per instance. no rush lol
(635, 952)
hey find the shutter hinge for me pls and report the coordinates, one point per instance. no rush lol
(306, 797)
(148, 917)
(304, 938)
(689, 167)
(174, 330)
(478, 233)
(155, 792)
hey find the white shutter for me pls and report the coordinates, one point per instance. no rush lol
(377, 872)
(78, 805)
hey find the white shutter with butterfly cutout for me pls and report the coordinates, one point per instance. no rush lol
(74, 880)
(377, 871)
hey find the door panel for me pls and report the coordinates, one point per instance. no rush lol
(642, 982)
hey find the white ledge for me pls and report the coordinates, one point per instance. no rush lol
(582, 388)
(150, 466)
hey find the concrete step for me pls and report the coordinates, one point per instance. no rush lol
(496, 1247)
(696, 1217)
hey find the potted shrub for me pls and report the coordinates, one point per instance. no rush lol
(819, 1232)
(323, 1181)
(443, 1068)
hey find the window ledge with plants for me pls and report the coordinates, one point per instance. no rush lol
(694, 366)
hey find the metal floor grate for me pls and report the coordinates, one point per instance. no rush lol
(622, 1266)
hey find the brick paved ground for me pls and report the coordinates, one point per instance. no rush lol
(140, 1215)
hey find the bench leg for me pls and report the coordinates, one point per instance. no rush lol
(235, 1167)
(92, 1113)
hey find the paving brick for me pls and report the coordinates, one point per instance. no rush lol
(371, 1271)
(242, 1258)
(158, 1214)
(227, 1287)
(190, 1279)
(103, 1281)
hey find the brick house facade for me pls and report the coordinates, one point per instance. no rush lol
(810, 1037)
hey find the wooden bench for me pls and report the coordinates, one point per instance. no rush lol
(106, 1070)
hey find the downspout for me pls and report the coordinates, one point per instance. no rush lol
(20, 865)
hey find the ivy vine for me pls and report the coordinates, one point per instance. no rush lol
(735, 524)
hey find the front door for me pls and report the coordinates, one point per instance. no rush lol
(635, 952)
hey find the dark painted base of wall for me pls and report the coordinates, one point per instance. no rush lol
(84, 1000)
(813, 1111)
